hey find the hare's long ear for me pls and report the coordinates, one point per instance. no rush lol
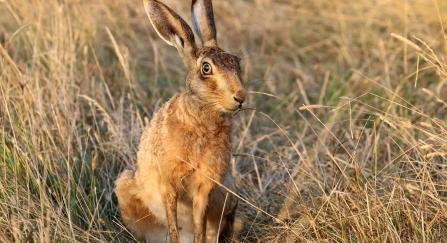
(172, 29)
(203, 21)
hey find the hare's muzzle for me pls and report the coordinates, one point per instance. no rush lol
(239, 97)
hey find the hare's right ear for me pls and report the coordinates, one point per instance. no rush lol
(203, 21)
(172, 29)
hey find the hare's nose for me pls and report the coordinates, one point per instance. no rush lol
(239, 97)
(239, 100)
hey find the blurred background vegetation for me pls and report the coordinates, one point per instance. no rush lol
(344, 138)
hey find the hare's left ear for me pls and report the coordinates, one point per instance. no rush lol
(203, 21)
(172, 29)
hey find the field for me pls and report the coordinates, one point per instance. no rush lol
(344, 137)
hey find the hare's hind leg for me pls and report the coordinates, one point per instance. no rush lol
(136, 216)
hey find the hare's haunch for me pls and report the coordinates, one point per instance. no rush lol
(172, 196)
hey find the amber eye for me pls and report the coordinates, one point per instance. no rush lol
(207, 69)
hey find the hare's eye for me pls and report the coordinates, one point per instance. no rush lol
(207, 69)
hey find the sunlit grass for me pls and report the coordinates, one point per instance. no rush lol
(343, 140)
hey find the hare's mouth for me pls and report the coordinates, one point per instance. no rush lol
(233, 107)
(229, 109)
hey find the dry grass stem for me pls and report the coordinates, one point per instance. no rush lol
(344, 138)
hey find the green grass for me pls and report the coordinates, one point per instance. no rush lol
(78, 81)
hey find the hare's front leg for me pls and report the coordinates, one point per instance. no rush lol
(200, 203)
(170, 205)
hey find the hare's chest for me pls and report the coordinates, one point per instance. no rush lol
(198, 143)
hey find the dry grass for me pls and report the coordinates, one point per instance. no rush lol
(364, 160)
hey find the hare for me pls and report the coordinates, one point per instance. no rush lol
(173, 195)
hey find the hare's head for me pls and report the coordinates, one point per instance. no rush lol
(213, 75)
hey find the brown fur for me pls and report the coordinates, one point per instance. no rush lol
(172, 195)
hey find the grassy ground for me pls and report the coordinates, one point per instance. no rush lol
(346, 141)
